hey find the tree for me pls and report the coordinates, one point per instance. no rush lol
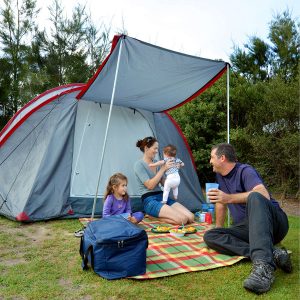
(17, 21)
(64, 49)
(203, 122)
(285, 38)
(270, 127)
(75, 46)
(260, 60)
(253, 64)
(264, 106)
(97, 43)
(34, 59)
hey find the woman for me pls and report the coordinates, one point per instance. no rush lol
(149, 179)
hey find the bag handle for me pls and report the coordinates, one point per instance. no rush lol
(85, 259)
(81, 247)
(85, 255)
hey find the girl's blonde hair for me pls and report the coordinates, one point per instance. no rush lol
(115, 180)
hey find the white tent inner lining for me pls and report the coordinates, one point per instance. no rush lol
(126, 127)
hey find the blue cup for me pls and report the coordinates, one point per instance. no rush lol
(209, 186)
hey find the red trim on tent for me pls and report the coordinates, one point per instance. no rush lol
(35, 99)
(22, 217)
(207, 85)
(70, 212)
(91, 81)
(183, 137)
(25, 117)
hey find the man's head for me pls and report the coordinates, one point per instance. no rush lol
(223, 158)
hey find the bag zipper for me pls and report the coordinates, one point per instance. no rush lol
(122, 243)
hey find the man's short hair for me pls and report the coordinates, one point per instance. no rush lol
(227, 150)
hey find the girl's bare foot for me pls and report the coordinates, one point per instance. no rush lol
(132, 220)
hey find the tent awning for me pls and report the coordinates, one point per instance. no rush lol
(150, 77)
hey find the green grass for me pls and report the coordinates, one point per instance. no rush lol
(42, 261)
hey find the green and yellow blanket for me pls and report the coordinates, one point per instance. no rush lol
(168, 255)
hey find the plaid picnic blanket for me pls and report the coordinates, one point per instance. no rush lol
(168, 255)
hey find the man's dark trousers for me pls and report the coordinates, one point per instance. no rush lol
(263, 226)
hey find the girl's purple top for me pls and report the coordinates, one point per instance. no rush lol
(113, 206)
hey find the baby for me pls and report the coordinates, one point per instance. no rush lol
(173, 179)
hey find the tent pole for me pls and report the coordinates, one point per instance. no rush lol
(107, 127)
(228, 127)
(79, 150)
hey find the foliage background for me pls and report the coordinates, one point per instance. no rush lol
(264, 85)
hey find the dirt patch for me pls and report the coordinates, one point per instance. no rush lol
(35, 232)
(12, 262)
(290, 206)
(24, 235)
(39, 234)
(66, 283)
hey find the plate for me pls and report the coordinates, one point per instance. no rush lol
(161, 229)
(189, 229)
(177, 232)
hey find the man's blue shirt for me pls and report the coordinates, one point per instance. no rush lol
(242, 178)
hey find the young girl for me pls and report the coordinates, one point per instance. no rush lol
(116, 200)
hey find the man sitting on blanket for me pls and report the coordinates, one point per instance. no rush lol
(259, 222)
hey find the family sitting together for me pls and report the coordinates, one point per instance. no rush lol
(258, 221)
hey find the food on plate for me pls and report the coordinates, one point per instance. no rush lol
(189, 229)
(162, 228)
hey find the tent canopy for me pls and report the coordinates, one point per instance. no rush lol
(150, 77)
(49, 149)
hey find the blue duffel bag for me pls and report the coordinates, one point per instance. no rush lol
(114, 248)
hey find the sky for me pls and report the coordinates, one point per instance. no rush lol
(206, 28)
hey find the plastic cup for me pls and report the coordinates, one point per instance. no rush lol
(202, 217)
(209, 186)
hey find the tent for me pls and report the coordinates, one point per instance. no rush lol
(58, 151)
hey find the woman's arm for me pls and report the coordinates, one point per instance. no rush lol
(150, 184)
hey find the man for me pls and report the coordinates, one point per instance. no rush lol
(259, 222)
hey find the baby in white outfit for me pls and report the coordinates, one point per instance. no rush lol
(173, 179)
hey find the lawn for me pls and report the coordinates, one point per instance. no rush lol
(41, 261)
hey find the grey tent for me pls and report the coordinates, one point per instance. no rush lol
(54, 149)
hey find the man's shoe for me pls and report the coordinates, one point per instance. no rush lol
(282, 260)
(261, 277)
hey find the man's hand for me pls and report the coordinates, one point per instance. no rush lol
(217, 196)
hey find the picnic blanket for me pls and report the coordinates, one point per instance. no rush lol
(168, 255)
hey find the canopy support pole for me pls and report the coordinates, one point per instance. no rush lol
(228, 119)
(107, 127)
(228, 126)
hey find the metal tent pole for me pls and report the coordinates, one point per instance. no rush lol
(228, 126)
(107, 127)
